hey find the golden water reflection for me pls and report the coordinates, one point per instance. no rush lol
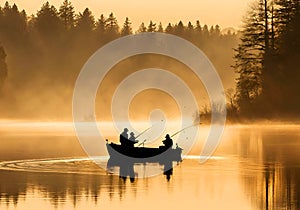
(254, 168)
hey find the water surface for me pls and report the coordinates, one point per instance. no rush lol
(254, 167)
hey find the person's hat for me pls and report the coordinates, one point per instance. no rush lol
(132, 133)
(125, 129)
(168, 136)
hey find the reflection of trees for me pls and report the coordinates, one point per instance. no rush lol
(270, 176)
(12, 186)
(57, 187)
(281, 186)
(62, 188)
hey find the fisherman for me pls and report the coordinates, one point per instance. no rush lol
(132, 138)
(125, 133)
(124, 137)
(168, 142)
(125, 141)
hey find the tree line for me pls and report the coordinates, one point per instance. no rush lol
(267, 61)
(44, 52)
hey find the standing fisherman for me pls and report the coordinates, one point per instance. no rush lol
(124, 137)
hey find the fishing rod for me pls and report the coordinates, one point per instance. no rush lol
(141, 134)
(183, 129)
(142, 143)
(194, 124)
(145, 130)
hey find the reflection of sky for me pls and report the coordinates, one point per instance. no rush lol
(254, 167)
(249, 161)
(193, 187)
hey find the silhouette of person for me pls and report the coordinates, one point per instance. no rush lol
(125, 133)
(168, 169)
(168, 142)
(124, 137)
(132, 138)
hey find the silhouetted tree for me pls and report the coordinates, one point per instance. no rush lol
(217, 31)
(179, 29)
(13, 25)
(190, 33)
(3, 67)
(67, 14)
(250, 56)
(100, 31)
(60, 41)
(101, 23)
(47, 23)
(198, 28)
(85, 21)
(142, 28)
(151, 27)
(190, 26)
(127, 29)
(285, 63)
(267, 59)
(205, 31)
(169, 29)
(160, 27)
(112, 26)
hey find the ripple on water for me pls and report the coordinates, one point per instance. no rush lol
(53, 165)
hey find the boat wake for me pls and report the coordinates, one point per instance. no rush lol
(78, 165)
(75, 165)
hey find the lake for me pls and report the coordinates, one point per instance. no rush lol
(254, 167)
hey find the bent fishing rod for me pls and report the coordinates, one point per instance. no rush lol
(147, 130)
(184, 129)
(171, 135)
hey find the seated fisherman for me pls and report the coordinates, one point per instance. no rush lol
(125, 141)
(132, 138)
(168, 142)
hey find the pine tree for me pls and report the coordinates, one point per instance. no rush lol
(189, 33)
(198, 28)
(100, 26)
(67, 14)
(169, 29)
(47, 23)
(190, 26)
(112, 27)
(217, 31)
(179, 29)
(85, 21)
(142, 28)
(3, 67)
(127, 29)
(286, 75)
(100, 31)
(151, 27)
(250, 57)
(205, 32)
(160, 28)
(13, 25)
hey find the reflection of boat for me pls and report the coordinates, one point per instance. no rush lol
(121, 153)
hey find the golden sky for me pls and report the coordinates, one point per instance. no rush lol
(226, 13)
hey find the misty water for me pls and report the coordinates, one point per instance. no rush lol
(254, 167)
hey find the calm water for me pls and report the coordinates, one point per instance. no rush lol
(255, 167)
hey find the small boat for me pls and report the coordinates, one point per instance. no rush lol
(120, 153)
